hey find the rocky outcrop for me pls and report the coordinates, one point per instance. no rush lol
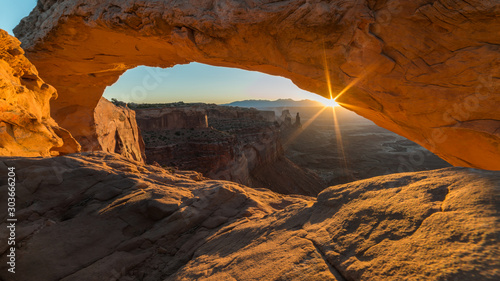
(285, 177)
(426, 69)
(297, 122)
(26, 125)
(103, 217)
(268, 115)
(234, 112)
(253, 147)
(117, 131)
(167, 118)
(26, 128)
(239, 144)
(207, 151)
(286, 118)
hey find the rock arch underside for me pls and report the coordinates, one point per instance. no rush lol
(428, 70)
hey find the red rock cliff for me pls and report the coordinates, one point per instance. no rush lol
(237, 141)
(26, 127)
(168, 118)
(117, 131)
(241, 145)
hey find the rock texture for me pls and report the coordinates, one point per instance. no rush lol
(117, 131)
(234, 112)
(26, 128)
(167, 118)
(103, 217)
(426, 69)
(285, 177)
(286, 118)
(224, 143)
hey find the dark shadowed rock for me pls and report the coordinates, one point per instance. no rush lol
(169, 118)
(101, 216)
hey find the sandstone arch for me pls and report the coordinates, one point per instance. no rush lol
(427, 69)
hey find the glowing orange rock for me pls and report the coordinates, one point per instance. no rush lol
(26, 128)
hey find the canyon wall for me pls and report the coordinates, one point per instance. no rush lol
(237, 144)
(117, 131)
(26, 127)
(168, 118)
(237, 141)
(426, 69)
(216, 155)
(232, 112)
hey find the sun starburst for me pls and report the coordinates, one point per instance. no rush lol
(329, 103)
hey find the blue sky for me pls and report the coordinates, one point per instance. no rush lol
(11, 13)
(189, 83)
(201, 83)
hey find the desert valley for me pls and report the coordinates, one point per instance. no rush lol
(395, 176)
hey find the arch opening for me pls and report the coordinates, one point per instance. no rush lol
(185, 114)
(441, 94)
(196, 82)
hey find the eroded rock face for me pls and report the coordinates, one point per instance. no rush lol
(113, 218)
(26, 128)
(224, 143)
(167, 118)
(286, 118)
(117, 131)
(426, 69)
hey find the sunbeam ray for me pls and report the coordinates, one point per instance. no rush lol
(356, 80)
(338, 134)
(297, 133)
(340, 143)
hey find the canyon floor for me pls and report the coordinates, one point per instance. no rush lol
(97, 216)
(243, 145)
(258, 148)
(352, 147)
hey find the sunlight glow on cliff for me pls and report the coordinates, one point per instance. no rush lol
(340, 143)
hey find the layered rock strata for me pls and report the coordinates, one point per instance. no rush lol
(239, 145)
(168, 118)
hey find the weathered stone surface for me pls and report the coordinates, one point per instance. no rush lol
(285, 177)
(157, 225)
(168, 118)
(26, 128)
(400, 227)
(117, 131)
(231, 143)
(286, 118)
(426, 69)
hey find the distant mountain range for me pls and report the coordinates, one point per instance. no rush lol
(275, 103)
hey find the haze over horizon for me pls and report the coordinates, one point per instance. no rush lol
(194, 82)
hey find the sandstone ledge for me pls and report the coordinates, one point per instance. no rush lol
(100, 216)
